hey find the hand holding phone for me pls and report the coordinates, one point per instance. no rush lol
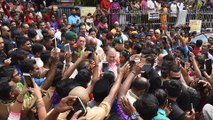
(191, 114)
(67, 48)
(28, 80)
(105, 67)
(78, 105)
(208, 66)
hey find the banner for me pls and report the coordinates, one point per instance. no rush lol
(195, 25)
(153, 16)
(86, 10)
(181, 20)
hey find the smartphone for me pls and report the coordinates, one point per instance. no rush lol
(28, 80)
(146, 68)
(208, 66)
(78, 105)
(92, 49)
(67, 47)
(55, 43)
(105, 67)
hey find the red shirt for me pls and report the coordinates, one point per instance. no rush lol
(196, 50)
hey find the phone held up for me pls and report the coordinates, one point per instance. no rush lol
(105, 67)
(78, 105)
(28, 80)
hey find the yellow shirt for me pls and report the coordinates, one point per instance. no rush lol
(95, 113)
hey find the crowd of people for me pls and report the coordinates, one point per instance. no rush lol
(50, 65)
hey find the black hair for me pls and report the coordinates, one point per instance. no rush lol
(161, 95)
(140, 84)
(101, 90)
(37, 48)
(63, 87)
(146, 51)
(21, 41)
(210, 97)
(17, 34)
(199, 43)
(205, 53)
(169, 57)
(63, 32)
(27, 65)
(175, 68)
(82, 24)
(45, 56)
(83, 77)
(18, 56)
(180, 49)
(7, 71)
(109, 76)
(150, 59)
(138, 48)
(147, 106)
(200, 60)
(58, 77)
(92, 30)
(126, 54)
(83, 65)
(173, 88)
(5, 88)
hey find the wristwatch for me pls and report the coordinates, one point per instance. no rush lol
(134, 115)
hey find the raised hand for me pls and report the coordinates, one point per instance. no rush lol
(68, 56)
(126, 106)
(190, 115)
(137, 67)
(85, 55)
(66, 104)
(124, 68)
(76, 115)
(168, 108)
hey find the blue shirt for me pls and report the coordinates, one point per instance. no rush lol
(39, 81)
(73, 19)
(161, 115)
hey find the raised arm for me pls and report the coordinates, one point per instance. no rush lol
(52, 71)
(185, 75)
(42, 113)
(95, 74)
(114, 90)
(17, 106)
(71, 69)
(64, 105)
(209, 78)
(127, 83)
(196, 69)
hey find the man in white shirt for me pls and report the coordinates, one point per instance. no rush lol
(58, 32)
(151, 6)
(173, 9)
(180, 5)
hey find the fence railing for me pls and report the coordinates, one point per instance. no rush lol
(141, 17)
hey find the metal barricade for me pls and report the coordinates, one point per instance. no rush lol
(141, 18)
